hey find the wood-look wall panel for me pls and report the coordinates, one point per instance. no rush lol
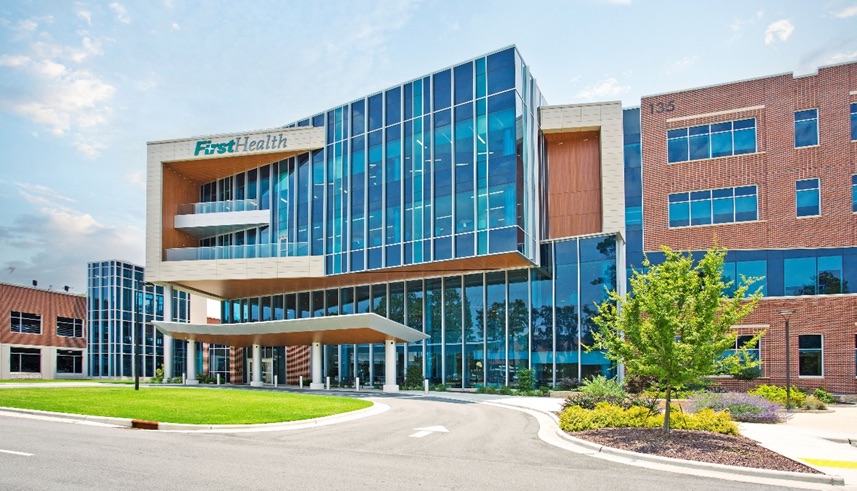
(177, 190)
(574, 183)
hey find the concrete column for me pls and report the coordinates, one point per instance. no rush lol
(168, 341)
(390, 366)
(257, 366)
(316, 367)
(191, 363)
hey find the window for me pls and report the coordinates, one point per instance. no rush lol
(810, 355)
(69, 327)
(813, 276)
(711, 140)
(733, 271)
(727, 205)
(754, 353)
(854, 194)
(69, 361)
(855, 350)
(26, 360)
(808, 197)
(26, 323)
(806, 128)
(854, 121)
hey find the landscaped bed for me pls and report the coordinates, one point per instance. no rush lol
(181, 405)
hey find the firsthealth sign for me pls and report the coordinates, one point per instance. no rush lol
(241, 144)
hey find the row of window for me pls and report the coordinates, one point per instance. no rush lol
(810, 353)
(29, 323)
(729, 138)
(29, 360)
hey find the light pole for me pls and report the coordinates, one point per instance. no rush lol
(787, 315)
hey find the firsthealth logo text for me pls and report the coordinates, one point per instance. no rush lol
(240, 144)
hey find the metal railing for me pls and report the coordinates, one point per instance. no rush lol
(218, 207)
(283, 249)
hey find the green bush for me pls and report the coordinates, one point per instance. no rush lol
(526, 380)
(505, 390)
(575, 418)
(813, 403)
(589, 402)
(601, 386)
(777, 394)
(824, 396)
(414, 377)
(440, 387)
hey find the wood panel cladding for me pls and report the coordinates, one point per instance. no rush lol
(207, 170)
(574, 183)
(177, 190)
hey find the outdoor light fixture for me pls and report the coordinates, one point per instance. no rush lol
(787, 315)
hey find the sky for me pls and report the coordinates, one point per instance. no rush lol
(84, 85)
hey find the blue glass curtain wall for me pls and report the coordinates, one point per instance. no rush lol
(484, 327)
(438, 168)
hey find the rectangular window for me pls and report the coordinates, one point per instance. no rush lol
(813, 276)
(810, 355)
(854, 194)
(806, 128)
(754, 353)
(854, 121)
(26, 323)
(69, 361)
(711, 140)
(855, 345)
(69, 327)
(25, 360)
(808, 197)
(726, 205)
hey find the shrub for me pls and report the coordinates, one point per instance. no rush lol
(813, 403)
(824, 396)
(504, 390)
(568, 383)
(748, 373)
(440, 387)
(636, 384)
(526, 380)
(576, 418)
(777, 394)
(601, 386)
(589, 402)
(414, 377)
(741, 407)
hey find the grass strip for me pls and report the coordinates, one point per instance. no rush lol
(181, 405)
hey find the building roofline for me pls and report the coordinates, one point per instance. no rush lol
(45, 290)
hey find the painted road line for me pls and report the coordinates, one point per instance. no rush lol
(12, 452)
(842, 464)
(421, 432)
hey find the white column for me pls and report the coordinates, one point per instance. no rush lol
(316, 367)
(191, 363)
(390, 366)
(168, 341)
(257, 366)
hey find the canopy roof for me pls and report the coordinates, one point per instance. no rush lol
(337, 329)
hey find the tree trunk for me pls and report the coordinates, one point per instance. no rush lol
(666, 429)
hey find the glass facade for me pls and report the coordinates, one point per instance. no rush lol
(441, 167)
(119, 304)
(484, 327)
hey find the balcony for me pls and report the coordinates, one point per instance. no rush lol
(255, 251)
(202, 220)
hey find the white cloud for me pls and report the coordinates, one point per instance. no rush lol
(50, 69)
(136, 179)
(14, 60)
(780, 30)
(847, 12)
(607, 88)
(85, 15)
(28, 25)
(681, 64)
(89, 149)
(176, 26)
(840, 58)
(121, 14)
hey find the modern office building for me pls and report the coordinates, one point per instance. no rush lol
(459, 223)
(42, 333)
(120, 308)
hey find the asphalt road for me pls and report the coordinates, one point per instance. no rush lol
(486, 447)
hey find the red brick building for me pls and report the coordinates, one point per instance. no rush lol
(42, 333)
(766, 167)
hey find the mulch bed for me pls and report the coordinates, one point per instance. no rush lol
(696, 445)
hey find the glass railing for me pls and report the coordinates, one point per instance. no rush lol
(283, 249)
(218, 207)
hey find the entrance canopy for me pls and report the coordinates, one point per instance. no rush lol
(337, 329)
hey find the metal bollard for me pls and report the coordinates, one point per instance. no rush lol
(425, 386)
(357, 384)
(184, 379)
(327, 382)
(218, 379)
(276, 382)
(302, 381)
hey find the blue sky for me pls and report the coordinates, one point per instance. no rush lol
(84, 85)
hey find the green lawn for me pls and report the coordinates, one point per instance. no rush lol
(181, 405)
(42, 380)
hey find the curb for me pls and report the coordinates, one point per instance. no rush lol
(375, 408)
(732, 469)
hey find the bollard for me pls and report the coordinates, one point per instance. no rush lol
(327, 382)
(184, 379)
(276, 381)
(425, 386)
(357, 384)
(302, 381)
(218, 379)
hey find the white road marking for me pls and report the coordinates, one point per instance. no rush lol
(421, 432)
(22, 454)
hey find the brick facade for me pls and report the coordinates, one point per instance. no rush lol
(49, 305)
(773, 168)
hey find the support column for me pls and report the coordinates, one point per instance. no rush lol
(256, 381)
(168, 341)
(316, 367)
(390, 366)
(191, 363)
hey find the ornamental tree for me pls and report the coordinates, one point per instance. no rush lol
(674, 324)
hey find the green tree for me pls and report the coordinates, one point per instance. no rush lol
(674, 325)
